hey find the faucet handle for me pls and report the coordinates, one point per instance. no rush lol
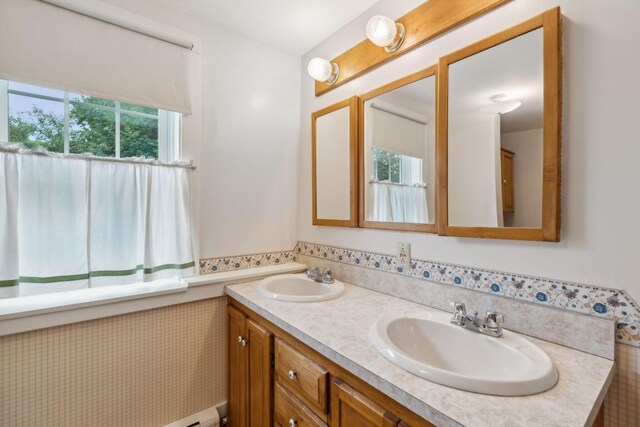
(328, 277)
(459, 313)
(493, 321)
(458, 307)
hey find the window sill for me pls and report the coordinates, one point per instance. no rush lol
(41, 311)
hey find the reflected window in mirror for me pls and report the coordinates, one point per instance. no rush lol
(396, 168)
(398, 154)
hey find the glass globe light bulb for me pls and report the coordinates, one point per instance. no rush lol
(319, 69)
(381, 30)
(323, 71)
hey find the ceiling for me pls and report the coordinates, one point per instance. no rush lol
(513, 68)
(423, 90)
(293, 26)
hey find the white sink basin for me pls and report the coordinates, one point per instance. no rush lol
(298, 288)
(432, 348)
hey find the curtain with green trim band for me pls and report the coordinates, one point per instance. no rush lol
(85, 276)
(72, 223)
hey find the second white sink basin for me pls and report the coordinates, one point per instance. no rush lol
(432, 348)
(298, 288)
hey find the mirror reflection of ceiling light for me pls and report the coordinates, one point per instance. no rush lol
(501, 104)
(323, 70)
(384, 32)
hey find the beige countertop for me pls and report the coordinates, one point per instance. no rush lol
(339, 330)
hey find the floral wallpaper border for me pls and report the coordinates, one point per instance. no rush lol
(586, 299)
(239, 262)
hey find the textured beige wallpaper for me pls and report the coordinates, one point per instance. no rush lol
(148, 368)
(154, 367)
(622, 405)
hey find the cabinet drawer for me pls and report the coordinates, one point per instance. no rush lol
(290, 412)
(303, 377)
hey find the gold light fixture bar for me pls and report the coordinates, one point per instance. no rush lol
(422, 24)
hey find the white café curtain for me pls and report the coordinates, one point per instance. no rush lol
(398, 203)
(72, 222)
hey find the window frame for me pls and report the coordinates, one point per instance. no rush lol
(4, 110)
(405, 167)
(169, 123)
(378, 155)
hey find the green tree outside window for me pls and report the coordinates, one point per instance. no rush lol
(92, 129)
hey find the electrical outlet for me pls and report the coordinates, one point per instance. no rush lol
(403, 256)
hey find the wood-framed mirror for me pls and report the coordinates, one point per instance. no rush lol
(499, 144)
(334, 164)
(396, 152)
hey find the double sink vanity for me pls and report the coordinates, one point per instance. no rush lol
(308, 350)
(467, 147)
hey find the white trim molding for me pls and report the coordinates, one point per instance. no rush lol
(209, 417)
(21, 314)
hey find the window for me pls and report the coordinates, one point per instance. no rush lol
(396, 168)
(66, 122)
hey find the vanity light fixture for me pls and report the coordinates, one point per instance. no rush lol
(323, 70)
(384, 32)
(501, 104)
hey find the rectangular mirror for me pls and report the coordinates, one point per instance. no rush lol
(334, 165)
(397, 137)
(499, 150)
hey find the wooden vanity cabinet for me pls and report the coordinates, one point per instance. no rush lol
(289, 410)
(350, 408)
(305, 378)
(250, 371)
(274, 379)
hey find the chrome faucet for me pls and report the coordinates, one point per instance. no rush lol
(491, 325)
(318, 276)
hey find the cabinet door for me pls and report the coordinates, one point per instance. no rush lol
(350, 409)
(259, 375)
(506, 162)
(237, 368)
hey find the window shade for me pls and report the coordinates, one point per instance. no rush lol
(391, 132)
(49, 46)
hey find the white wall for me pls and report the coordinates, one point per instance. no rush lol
(527, 177)
(600, 240)
(249, 154)
(242, 136)
(474, 155)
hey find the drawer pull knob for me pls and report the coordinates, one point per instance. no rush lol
(243, 342)
(293, 423)
(292, 375)
(239, 338)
